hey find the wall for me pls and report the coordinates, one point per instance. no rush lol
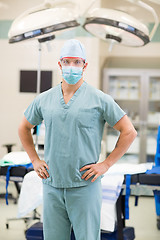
(149, 52)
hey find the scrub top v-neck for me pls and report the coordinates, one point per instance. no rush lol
(73, 131)
(72, 99)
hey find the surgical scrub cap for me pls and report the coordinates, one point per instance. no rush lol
(73, 48)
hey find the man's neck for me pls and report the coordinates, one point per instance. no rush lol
(68, 89)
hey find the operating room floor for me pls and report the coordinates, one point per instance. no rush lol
(142, 218)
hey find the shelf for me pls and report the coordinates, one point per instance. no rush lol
(111, 142)
(153, 125)
(154, 100)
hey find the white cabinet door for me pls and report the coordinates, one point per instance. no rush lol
(137, 91)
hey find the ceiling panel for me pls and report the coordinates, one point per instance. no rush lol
(131, 8)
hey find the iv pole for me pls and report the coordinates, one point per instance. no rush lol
(38, 85)
(40, 41)
(39, 68)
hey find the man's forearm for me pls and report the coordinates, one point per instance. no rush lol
(27, 142)
(122, 145)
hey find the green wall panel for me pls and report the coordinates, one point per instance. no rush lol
(4, 28)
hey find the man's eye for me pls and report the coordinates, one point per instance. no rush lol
(77, 62)
(65, 62)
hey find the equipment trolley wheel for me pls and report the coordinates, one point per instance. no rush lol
(7, 225)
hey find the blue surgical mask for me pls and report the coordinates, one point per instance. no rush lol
(72, 74)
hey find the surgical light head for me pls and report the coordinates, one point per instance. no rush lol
(73, 48)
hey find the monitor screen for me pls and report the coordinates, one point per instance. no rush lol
(28, 81)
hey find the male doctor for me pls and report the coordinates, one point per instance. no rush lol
(74, 114)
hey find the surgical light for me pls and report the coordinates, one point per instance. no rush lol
(53, 17)
(109, 24)
(46, 22)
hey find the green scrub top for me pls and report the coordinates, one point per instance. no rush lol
(73, 131)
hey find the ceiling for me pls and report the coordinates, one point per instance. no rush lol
(140, 13)
(18, 6)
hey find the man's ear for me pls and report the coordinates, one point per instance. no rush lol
(59, 63)
(85, 66)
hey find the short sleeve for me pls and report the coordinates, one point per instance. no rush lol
(33, 113)
(112, 111)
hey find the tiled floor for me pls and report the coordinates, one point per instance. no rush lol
(142, 218)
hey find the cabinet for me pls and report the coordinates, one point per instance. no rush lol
(137, 91)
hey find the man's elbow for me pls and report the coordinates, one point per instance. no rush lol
(133, 134)
(24, 126)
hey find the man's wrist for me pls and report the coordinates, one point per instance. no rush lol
(33, 160)
(107, 164)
